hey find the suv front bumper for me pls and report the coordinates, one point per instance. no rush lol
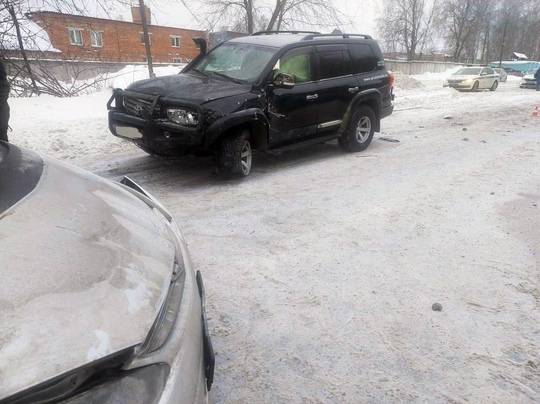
(150, 131)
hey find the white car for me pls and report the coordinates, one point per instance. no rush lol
(528, 80)
(473, 78)
(99, 302)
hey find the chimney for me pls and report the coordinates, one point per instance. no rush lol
(136, 15)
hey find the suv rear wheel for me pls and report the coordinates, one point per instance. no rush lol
(360, 130)
(235, 154)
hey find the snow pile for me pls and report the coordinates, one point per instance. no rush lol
(404, 82)
(132, 73)
(34, 37)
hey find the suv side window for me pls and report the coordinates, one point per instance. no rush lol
(333, 63)
(297, 63)
(362, 58)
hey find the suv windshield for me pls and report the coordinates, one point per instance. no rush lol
(236, 61)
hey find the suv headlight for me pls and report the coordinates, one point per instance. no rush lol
(182, 116)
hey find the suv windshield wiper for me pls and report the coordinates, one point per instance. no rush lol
(228, 77)
(199, 71)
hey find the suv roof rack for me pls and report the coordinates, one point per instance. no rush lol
(344, 36)
(285, 32)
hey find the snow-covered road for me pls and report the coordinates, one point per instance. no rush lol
(322, 267)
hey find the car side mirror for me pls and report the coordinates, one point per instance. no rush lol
(284, 80)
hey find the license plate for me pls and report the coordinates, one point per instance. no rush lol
(128, 131)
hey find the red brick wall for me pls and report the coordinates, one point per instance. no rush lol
(121, 40)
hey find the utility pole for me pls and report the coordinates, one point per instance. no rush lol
(142, 9)
(502, 45)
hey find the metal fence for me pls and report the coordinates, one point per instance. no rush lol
(418, 67)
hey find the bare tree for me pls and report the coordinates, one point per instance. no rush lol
(253, 15)
(406, 25)
(463, 24)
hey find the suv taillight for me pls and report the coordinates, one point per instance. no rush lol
(391, 75)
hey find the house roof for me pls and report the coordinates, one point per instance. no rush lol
(33, 14)
(519, 55)
(34, 38)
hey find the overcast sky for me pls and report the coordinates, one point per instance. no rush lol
(175, 14)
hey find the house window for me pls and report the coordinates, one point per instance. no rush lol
(149, 37)
(96, 38)
(177, 60)
(75, 36)
(175, 41)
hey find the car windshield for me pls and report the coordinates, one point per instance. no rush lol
(236, 61)
(469, 71)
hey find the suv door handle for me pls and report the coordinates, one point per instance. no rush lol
(353, 89)
(312, 97)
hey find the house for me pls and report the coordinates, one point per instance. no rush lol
(98, 39)
(518, 56)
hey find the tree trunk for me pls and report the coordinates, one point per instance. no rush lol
(280, 5)
(23, 51)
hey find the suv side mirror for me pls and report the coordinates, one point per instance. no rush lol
(284, 80)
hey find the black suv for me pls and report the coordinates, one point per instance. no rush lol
(265, 91)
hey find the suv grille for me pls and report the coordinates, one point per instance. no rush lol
(137, 106)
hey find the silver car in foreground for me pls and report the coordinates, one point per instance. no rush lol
(473, 78)
(98, 301)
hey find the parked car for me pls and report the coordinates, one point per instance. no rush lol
(100, 303)
(473, 79)
(513, 72)
(503, 76)
(265, 91)
(528, 80)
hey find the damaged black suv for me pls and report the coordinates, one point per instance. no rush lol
(269, 90)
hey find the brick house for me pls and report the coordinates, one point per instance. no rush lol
(98, 39)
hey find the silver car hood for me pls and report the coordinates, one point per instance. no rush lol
(85, 267)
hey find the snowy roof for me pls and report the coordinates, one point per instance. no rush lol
(34, 38)
(520, 55)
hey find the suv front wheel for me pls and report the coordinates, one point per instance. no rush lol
(360, 130)
(235, 154)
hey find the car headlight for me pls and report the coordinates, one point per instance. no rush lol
(142, 385)
(183, 116)
(468, 81)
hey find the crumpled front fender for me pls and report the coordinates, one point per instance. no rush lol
(223, 124)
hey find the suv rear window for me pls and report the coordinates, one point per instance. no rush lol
(362, 58)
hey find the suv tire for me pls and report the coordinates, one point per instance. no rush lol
(360, 130)
(235, 155)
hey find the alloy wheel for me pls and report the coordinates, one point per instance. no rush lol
(363, 129)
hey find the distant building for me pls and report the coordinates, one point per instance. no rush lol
(518, 56)
(98, 39)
